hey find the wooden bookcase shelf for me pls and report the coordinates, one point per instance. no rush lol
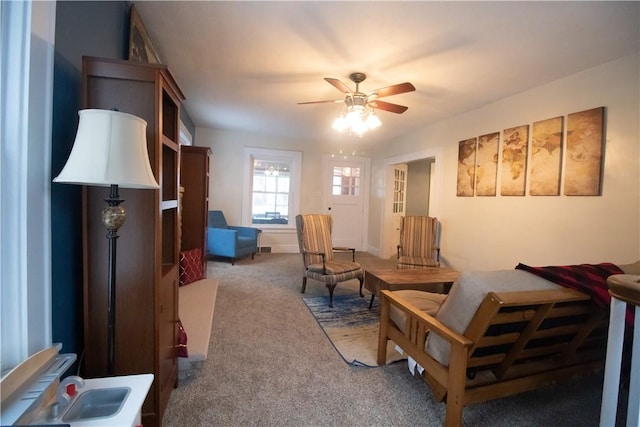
(148, 246)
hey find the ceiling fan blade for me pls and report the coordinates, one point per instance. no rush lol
(339, 85)
(332, 101)
(393, 90)
(387, 106)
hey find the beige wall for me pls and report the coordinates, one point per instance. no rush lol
(227, 171)
(498, 232)
(488, 232)
(418, 186)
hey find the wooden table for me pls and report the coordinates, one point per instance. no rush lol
(430, 279)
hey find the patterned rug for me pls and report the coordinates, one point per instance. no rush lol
(351, 327)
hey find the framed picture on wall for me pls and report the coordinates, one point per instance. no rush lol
(466, 167)
(487, 164)
(141, 48)
(546, 157)
(585, 145)
(514, 160)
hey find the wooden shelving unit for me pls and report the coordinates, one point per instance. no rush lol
(148, 246)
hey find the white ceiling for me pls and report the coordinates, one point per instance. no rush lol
(245, 65)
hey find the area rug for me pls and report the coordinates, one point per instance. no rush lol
(352, 328)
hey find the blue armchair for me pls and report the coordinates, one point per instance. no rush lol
(230, 241)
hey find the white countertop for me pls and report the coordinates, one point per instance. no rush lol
(126, 417)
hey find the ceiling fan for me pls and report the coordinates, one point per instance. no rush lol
(370, 99)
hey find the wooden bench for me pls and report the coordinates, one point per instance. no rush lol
(515, 342)
(195, 308)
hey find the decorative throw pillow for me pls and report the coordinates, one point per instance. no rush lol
(191, 267)
(182, 341)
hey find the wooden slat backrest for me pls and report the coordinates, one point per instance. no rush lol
(525, 336)
(517, 326)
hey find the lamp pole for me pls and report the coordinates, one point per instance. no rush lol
(113, 217)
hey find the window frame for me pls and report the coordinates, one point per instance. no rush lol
(294, 158)
(26, 84)
(353, 183)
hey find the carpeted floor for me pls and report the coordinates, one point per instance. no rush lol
(270, 364)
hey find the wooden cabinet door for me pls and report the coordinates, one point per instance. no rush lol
(194, 179)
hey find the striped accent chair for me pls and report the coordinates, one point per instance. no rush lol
(316, 247)
(418, 247)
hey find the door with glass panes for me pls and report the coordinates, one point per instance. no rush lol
(345, 190)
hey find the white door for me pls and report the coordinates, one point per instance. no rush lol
(395, 207)
(345, 196)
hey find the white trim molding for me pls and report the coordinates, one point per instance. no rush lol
(26, 93)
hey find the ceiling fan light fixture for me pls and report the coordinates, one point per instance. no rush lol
(373, 121)
(340, 124)
(354, 117)
(359, 113)
(360, 128)
(358, 119)
(360, 100)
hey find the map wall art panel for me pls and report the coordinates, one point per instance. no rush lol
(466, 167)
(585, 142)
(487, 164)
(546, 157)
(514, 161)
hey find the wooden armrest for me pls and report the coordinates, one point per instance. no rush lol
(346, 249)
(313, 252)
(541, 296)
(322, 254)
(430, 322)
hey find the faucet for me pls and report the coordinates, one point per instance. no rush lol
(67, 390)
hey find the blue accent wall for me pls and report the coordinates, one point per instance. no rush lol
(82, 28)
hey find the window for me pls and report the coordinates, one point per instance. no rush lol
(26, 79)
(270, 192)
(345, 181)
(398, 190)
(271, 187)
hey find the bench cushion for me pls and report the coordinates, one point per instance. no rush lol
(196, 304)
(428, 302)
(467, 294)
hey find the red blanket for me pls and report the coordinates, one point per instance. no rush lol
(588, 278)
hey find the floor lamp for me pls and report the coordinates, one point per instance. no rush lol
(110, 150)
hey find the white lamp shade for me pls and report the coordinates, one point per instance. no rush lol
(110, 149)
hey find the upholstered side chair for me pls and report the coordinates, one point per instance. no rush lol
(418, 247)
(316, 247)
(230, 241)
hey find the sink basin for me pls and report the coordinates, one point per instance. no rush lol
(97, 403)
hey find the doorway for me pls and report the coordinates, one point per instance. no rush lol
(390, 218)
(346, 198)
